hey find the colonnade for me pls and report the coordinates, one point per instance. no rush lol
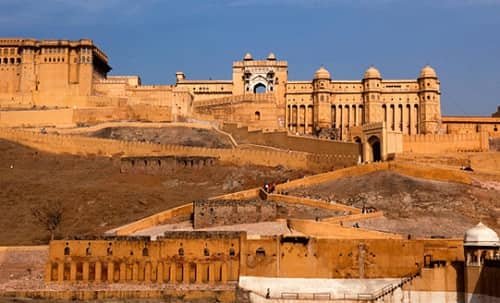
(184, 272)
(402, 117)
(398, 117)
(300, 118)
(344, 116)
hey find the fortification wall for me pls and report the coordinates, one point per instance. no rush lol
(209, 213)
(281, 139)
(86, 116)
(106, 147)
(427, 144)
(305, 257)
(28, 118)
(164, 165)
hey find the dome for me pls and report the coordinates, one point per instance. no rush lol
(372, 72)
(248, 57)
(427, 72)
(322, 73)
(271, 56)
(481, 235)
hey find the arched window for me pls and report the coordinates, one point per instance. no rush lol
(181, 251)
(260, 252)
(109, 251)
(66, 250)
(206, 252)
(145, 252)
(257, 116)
(232, 253)
(259, 88)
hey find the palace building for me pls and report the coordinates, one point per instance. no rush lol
(74, 74)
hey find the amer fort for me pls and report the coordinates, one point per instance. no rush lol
(249, 189)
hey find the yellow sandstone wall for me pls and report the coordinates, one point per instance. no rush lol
(106, 147)
(428, 144)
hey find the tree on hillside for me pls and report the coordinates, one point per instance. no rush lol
(49, 216)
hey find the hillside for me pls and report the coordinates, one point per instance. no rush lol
(94, 194)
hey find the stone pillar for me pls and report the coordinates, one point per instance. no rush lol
(211, 273)
(135, 272)
(123, 272)
(60, 271)
(72, 271)
(85, 271)
(200, 270)
(223, 274)
(305, 119)
(185, 273)
(111, 271)
(160, 273)
(173, 273)
(355, 113)
(48, 272)
(147, 272)
(98, 274)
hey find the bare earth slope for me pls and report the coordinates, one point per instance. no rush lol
(166, 135)
(96, 197)
(413, 206)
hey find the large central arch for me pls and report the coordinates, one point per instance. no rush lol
(259, 88)
(375, 151)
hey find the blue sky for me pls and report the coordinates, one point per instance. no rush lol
(155, 38)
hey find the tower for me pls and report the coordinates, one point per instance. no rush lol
(371, 95)
(430, 101)
(321, 99)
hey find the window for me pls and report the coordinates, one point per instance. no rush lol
(145, 252)
(181, 251)
(206, 252)
(260, 252)
(66, 250)
(257, 116)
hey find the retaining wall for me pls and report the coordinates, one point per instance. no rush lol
(445, 143)
(107, 147)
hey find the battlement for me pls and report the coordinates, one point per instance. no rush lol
(235, 99)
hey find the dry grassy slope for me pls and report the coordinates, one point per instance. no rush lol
(414, 206)
(96, 197)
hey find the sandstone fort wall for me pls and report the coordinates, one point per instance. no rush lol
(212, 212)
(106, 147)
(90, 115)
(281, 139)
(433, 143)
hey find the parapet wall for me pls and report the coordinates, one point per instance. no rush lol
(79, 145)
(281, 139)
(90, 115)
(428, 144)
(212, 212)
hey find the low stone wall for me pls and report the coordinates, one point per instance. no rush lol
(178, 295)
(164, 165)
(281, 139)
(107, 147)
(427, 144)
(209, 213)
(174, 214)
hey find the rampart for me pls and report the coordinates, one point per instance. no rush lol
(209, 213)
(106, 147)
(164, 164)
(281, 139)
(430, 143)
(91, 115)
